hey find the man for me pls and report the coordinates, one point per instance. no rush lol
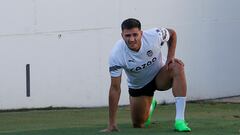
(139, 54)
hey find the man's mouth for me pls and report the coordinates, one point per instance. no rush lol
(132, 43)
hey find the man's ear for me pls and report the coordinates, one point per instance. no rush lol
(141, 32)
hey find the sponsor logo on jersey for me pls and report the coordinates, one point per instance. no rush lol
(162, 33)
(143, 66)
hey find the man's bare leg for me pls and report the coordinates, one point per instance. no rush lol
(173, 76)
(140, 110)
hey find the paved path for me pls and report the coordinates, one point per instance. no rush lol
(234, 99)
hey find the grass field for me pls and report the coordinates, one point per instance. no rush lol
(204, 119)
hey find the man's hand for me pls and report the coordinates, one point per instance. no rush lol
(110, 128)
(173, 60)
(114, 95)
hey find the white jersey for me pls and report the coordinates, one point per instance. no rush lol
(142, 66)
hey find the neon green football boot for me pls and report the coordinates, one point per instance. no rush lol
(181, 126)
(152, 108)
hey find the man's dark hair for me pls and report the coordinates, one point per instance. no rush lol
(131, 23)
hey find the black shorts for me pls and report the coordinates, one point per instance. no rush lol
(147, 90)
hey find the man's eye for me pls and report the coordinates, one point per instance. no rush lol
(135, 34)
(128, 35)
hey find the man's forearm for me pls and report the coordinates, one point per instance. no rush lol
(114, 95)
(172, 42)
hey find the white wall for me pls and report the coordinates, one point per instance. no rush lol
(67, 43)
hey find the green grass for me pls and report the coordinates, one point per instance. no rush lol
(204, 119)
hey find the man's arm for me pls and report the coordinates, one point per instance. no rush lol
(172, 42)
(114, 95)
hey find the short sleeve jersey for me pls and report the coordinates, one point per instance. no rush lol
(142, 66)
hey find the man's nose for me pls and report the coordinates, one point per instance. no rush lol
(131, 38)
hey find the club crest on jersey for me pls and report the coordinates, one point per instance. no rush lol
(149, 53)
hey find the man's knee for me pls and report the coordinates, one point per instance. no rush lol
(138, 125)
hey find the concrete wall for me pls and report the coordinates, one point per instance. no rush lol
(67, 43)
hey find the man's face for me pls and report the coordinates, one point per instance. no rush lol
(132, 37)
